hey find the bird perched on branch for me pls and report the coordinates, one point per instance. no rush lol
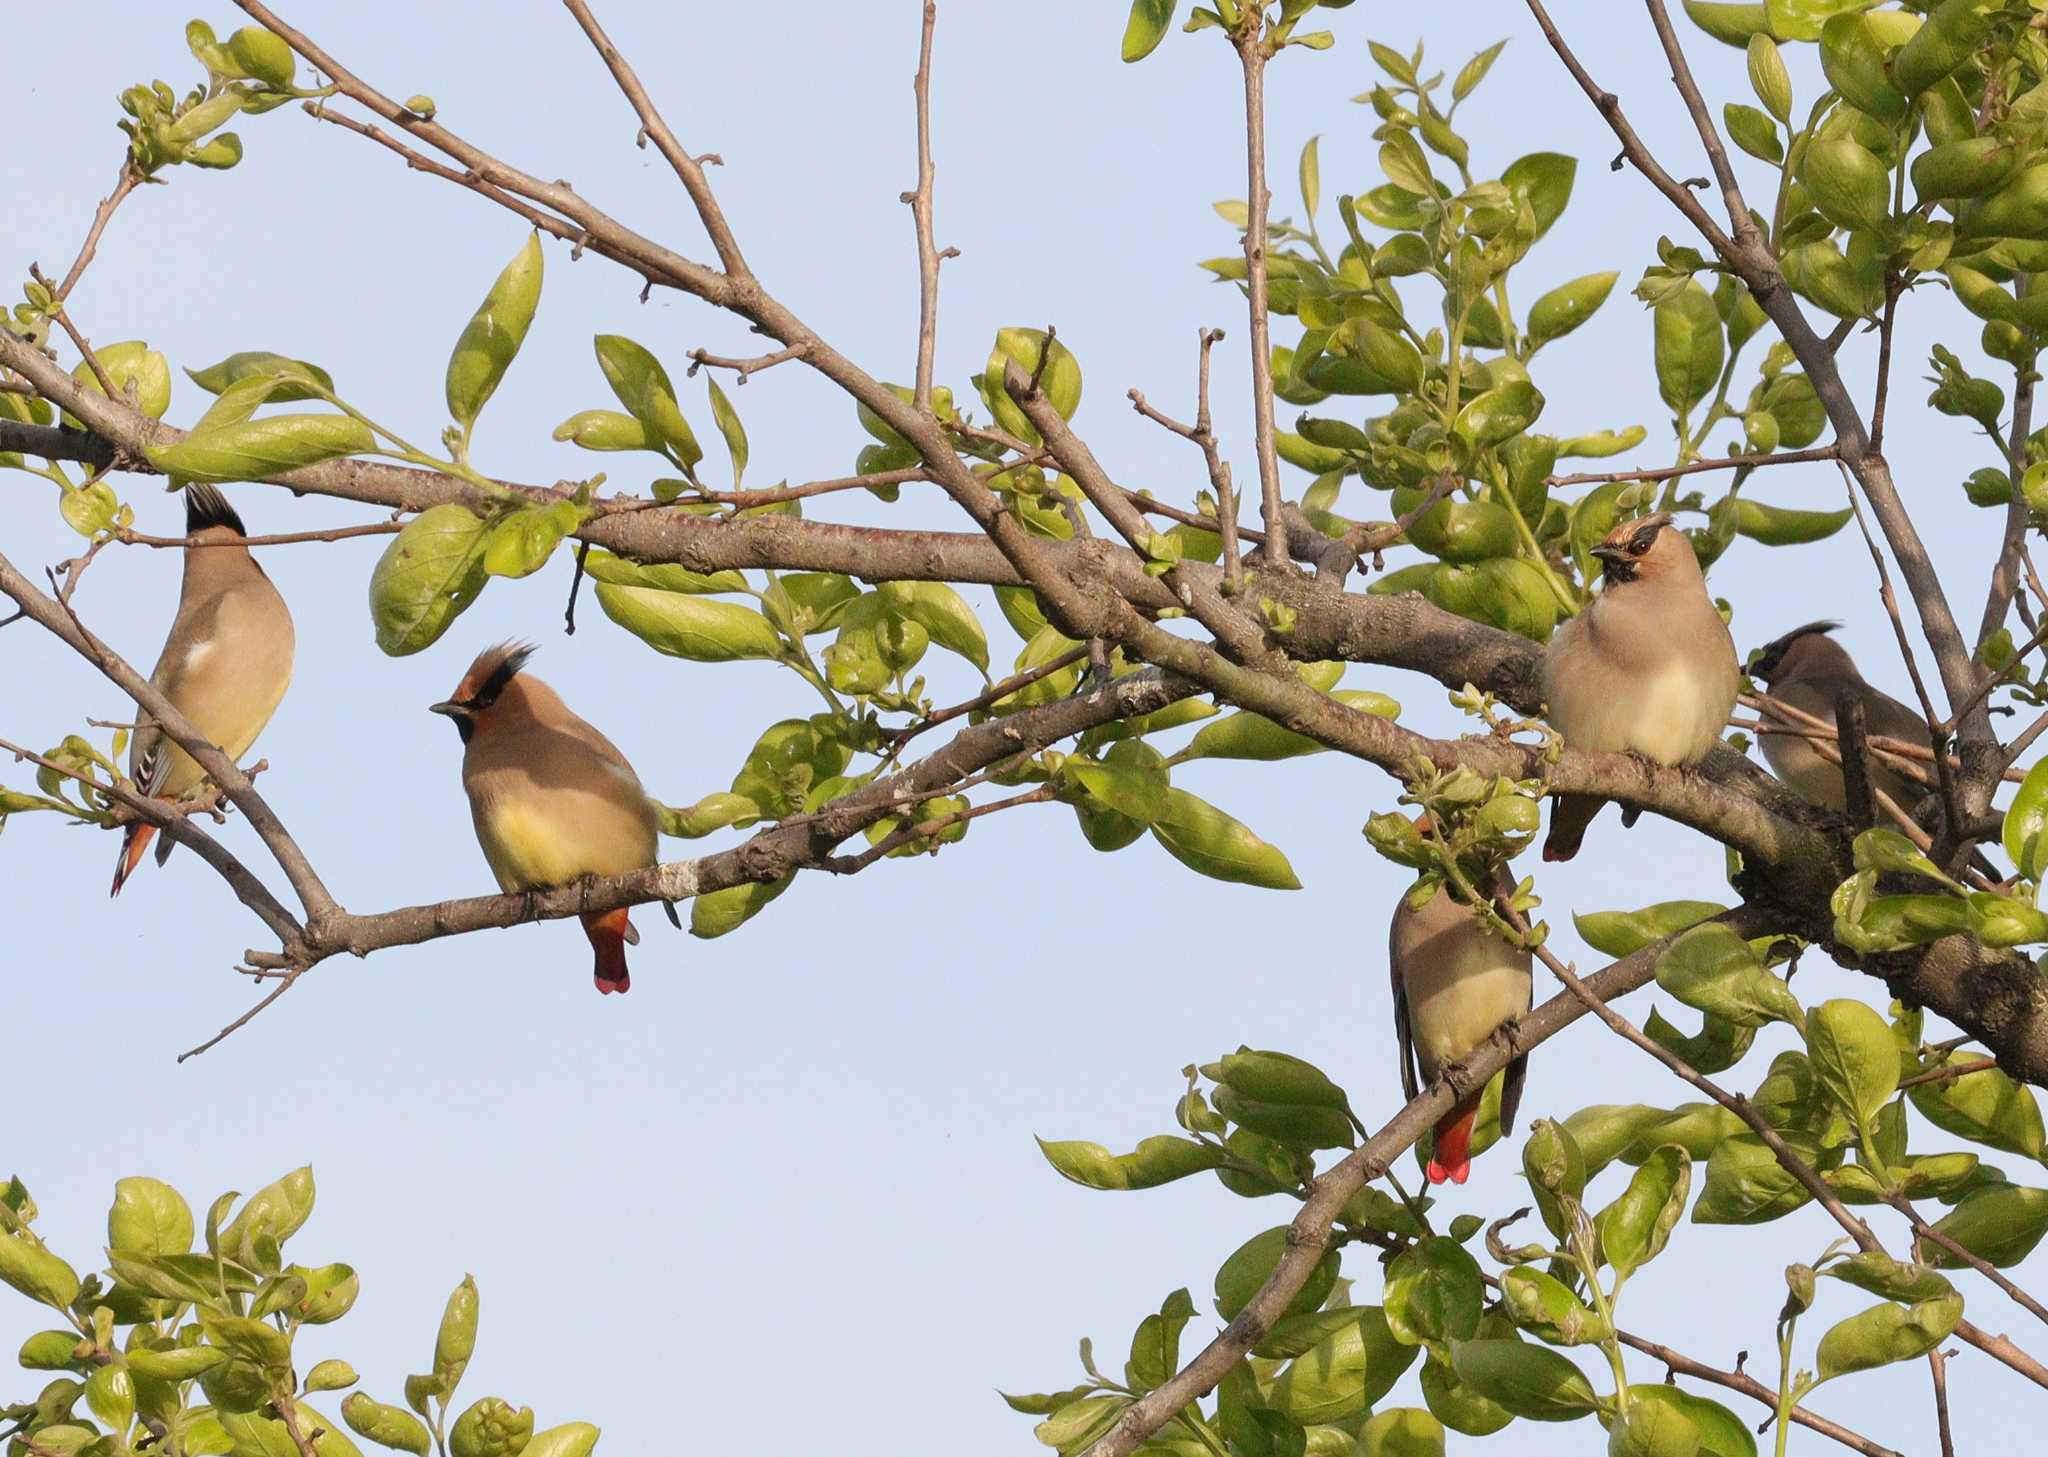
(225, 665)
(552, 798)
(1808, 670)
(1647, 668)
(1455, 984)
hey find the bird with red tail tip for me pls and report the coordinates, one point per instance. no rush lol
(1646, 668)
(553, 799)
(1455, 984)
(225, 665)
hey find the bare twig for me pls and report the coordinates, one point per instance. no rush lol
(2005, 572)
(1252, 57)
(285, 538)
(924, 829)
(126, 183)
(993, 695)
(920, 201)
(575, 585)
(1855, 754)
(1661, 473)
(83, 345)
(1748, 1385)
(744, 367)
(1949, 1072)
(1937, 1365)
(1928, 1233)
(688, 169)
(1743, 226)
(1202, 433)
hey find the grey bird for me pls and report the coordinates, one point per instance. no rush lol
(1647, 668)
(1455, 984)
(1808, 670)
(225, 665)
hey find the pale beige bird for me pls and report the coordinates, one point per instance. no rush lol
(1455, 984)
(552, 798)
(1647, 668)
(1809, 670)
(225, 665)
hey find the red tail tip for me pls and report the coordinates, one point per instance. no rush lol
(1452, 1161)
(133, 844)
(608, 934)
(607, 985)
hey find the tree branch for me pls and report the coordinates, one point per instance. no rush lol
(1252, 58)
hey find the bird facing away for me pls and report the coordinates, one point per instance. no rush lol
(1647, 668)
(1454, 985)
(225, 665)
(552, 798)
(1808, 670)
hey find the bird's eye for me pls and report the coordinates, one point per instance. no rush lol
(1641, 543)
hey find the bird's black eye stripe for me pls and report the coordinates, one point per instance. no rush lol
(1642, 541)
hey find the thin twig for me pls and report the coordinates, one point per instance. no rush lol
(993, 695)
(743, 367)
(1252, 57)
(126, 183)
(286, 538)
(2005, 572)
(1927, 1232)
(1949, 1072)
(575, 585)
(1937, 1365)
(925, 829)
(1749, 1386)
(1662, 473)
(920, 201)
(285, 982)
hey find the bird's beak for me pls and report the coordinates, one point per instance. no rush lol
(1610, 553)
(451, 708)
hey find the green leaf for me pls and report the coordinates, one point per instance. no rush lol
(570, 1439)
(602, 566)
(2025, 835)
(292, 379)
(1146, 27)
(1079, 1423)
(1433, 1293)
(1688, 347)
(1986, 1107)
(520, 544)
(388, 1426)
(2000, 1224)
(1239, 1277)
(605, 430)
(130, 362)
(1470, 75)
(1855, 1057)
(110, 1393)
(643, 387)
(255, 1341)
(1849, 186)
(1155, 1161)
(1556, 1169)
(698, 628)
(1155, 1348)
(1746, 1185)
(1208, 841)
(1404, 1431)
(331, 1375)
(1276, 1077)
(1499, 414)
(184, 1363)
(148, 1217)
(1544, 181)
(1712, 969)
(727, 910)
(1880, 1274)
(1544, 1304)
(1635, 1228)
(263, 57)
(1769, 78)
(728, 421)
(430, 573)
(90, 510)
(1781, 526)
(35, 1272)
(254, 450)
(943, 613)
(1345, 1375)
(1060, 381)
(51, 1351)
(1526, 1380)
(491, 1427)
(1652, 1429)
(1311, 178)
(456, 1339)
(1619, 933)
(491, 339)
(1567, 306)
(1886, 1333)
(1752, 131)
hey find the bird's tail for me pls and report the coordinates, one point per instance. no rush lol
(1569, 816)
(1452, 1160)
(133, 844)
(608, 935)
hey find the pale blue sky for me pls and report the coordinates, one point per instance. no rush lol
(788, 1185)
